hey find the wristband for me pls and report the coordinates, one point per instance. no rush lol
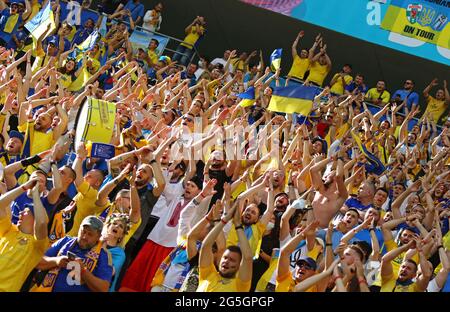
(361, 281)
(24, 188)
(197, 203)
(239, 227)
(152, 161)
(440, 246)
(223, 221)
(30, 160)
(216, 220)
(328, 245)
(201, 195)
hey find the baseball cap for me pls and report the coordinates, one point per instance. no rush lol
(309, 261)
(93, 222)
(16, 134)
(52, 41)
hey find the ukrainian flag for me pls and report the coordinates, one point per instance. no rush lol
(426, 21)
(293, 99)
(275, 59)
(375, 165)
(247, 97)
(89, 43)
(39, 23)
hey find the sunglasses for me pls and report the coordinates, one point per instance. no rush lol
(408, 82)
(304, 265)
(188, 119)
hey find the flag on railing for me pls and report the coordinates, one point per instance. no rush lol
(247, 97)
(275, 59)
(293, 99)
(43, 19)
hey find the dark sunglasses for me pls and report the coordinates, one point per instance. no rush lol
(188, 119)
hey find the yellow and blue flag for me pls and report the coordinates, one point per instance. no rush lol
(293, 99)
(275, 59)
(89, 43)
(374, 164)
(39, 23)
(427, 21)
(247, 98)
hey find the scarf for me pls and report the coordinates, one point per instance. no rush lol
(177, 256)
(11, 23)
(90, 261)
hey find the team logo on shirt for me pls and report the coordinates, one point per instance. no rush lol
(23, 241)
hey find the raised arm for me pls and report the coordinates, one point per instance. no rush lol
(40, 215)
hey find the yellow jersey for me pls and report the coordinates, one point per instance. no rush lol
(299, 67)
(211, 281)
(193, 35)
(435, 107)
(373, 94)
(35, 141)
(390, 284)
(254, 235)
(286, 283)
(338, 86)
(85, 201)
(317, 73)
(19, 255)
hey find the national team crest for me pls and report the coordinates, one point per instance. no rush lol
(412, 12)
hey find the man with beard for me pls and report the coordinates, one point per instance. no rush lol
(408, 94)
(160, 242)
(407, 279)
(39, 136)
(330, 192)
(235, 268)
(305, 266)
(88, 251)
(217, 168)
(253, 223)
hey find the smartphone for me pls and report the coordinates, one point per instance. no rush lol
(71, 255)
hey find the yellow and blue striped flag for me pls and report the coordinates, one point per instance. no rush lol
(275, 59)
(89, 43)
(293, 99)
(39, 23)
(375, 165)
(247, 97)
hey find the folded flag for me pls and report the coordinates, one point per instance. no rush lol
(39, 23)
(275, 59)
(293, 99)
(374, 164)
(247, 97)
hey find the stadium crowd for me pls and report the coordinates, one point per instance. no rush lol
(203, 193)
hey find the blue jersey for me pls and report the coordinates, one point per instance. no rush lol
(102, 270)
(353, 202)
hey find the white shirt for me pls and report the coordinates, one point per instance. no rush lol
(171, 192)
(147, 22)
(166, 230)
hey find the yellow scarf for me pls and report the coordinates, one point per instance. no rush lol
(11, 23)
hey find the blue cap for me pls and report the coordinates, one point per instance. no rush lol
(16, 134)
(309, 261)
